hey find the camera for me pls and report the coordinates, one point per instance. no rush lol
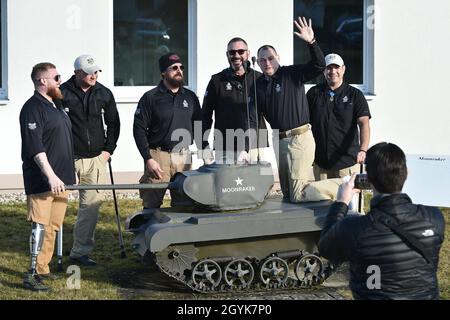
(361, 182)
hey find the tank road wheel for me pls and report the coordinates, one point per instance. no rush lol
(309, 270)
(175, 260)
(206, 275)
(239, 273)
(274, 271)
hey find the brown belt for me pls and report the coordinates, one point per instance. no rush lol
(295, 132)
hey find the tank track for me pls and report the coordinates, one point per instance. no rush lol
(280, 270)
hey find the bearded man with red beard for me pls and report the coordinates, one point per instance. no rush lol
(47, 155)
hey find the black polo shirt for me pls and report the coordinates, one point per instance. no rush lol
(45, 128)
(159, 113)
(282, 99)
(231, 99)
(334, 116)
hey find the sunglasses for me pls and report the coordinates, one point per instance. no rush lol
(239, 51)
(176, 68)
(57, 78)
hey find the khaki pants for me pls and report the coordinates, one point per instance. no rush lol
(323, 174)
(47, 209)
(320, 190)
(296, 157)
(89, 171)
(170, 163)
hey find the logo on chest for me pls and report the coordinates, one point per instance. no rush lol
(32, 126)
(228, 86)
(185, 104)
(278, 88)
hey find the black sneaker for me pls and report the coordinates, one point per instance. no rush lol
(84, 261)
(32, 282)
(49, 276)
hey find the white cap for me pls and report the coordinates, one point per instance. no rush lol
(334, 58)
(86, 63)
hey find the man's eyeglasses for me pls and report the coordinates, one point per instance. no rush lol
(238, 51)
(176, 68)
(57, 78)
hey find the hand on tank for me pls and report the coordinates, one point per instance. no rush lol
(305, 30)
(347, 190)
(207, 156)
(154, 169)
(244, 157)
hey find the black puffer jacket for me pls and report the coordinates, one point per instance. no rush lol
(85, 113)
(365, 241)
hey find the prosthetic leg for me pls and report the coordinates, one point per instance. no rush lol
(31, 280)
(59, 248)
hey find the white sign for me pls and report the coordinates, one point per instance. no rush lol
(428, 180)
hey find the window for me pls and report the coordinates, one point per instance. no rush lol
(144, 30)
(342, 27)
(3, 50)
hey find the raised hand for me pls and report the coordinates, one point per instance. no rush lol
(304, 29)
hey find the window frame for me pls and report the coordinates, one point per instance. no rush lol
(132, 94)
(4, 53)
(367, 87)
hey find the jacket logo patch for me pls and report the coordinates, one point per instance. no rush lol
(185, 104)
(32, 126)
(278, 88)
(428, 233)
(66, 110)
(138, 111)
(345, 99)
(228, 86)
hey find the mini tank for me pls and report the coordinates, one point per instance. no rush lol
(226, 233)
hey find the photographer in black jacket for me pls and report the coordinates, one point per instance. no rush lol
(86, 101)
(394, 249)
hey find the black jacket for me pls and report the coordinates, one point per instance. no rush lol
(160, 114)
(281, 97)
(85, 112)
(366, 241)
(229, 96)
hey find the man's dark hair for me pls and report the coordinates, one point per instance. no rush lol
(236, 39)
(40, 68)
(386, 167)
(266, 47)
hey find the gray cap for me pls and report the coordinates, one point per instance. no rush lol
(86, 63)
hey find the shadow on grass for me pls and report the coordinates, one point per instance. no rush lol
(125, 275)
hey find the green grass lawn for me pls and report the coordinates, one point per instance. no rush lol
(97, 283)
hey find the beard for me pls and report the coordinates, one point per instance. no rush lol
(55, 93)
(176, 82)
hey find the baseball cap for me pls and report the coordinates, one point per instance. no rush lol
(334, 58)
(167, 60)
(86, 63)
